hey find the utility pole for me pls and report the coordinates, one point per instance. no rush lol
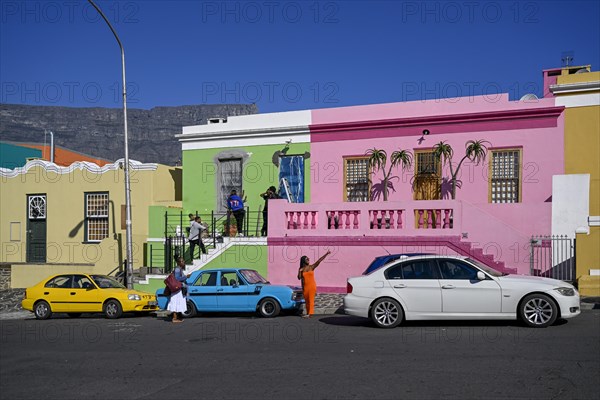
(128, 239)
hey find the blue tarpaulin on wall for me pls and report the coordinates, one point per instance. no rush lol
(291, 168)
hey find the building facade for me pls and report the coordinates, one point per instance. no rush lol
(499, 204)
(578, 90)
(59, 219)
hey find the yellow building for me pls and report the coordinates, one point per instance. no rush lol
(578, 90)
(64, 219)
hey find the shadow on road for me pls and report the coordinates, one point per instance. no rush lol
(343, 321)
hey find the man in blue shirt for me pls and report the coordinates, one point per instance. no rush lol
(236, 205)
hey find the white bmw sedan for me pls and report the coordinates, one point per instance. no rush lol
(433, 287)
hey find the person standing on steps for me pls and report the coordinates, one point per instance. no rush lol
(271, 193)
(306, 274)
(195, 237)
(236, 205)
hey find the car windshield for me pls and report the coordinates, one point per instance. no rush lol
(485, 268)
(104, 282)
(252, 276)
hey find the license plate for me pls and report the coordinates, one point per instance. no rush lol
(152, 303)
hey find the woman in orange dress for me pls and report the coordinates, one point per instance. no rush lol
(306, 273)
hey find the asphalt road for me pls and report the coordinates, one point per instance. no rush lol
(329, 357)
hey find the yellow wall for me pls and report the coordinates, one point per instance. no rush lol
(66, 248)
(578, 78)
(582, 156)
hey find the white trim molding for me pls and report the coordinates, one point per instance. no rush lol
(580, 100)
(579, 94)
(594, 220)
(578, 87)
(79, 165)
(249, 130)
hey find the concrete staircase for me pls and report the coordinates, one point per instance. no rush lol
(144, 275)
(468, 249)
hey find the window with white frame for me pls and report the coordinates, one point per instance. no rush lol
(96, 216)
(356, 179)
(505, 185)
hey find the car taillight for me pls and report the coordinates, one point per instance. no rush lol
(348, 288)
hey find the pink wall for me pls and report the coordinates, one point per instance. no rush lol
(303, 229)
(535, 128)
(423, 108)
(344, 262)
(500, 230)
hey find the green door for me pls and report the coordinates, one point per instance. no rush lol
(36, 228)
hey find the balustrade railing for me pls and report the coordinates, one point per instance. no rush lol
(367, 217)
(433, 218)
(386, 219)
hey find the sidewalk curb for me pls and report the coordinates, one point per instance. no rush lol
(590, 306)
(329, 310)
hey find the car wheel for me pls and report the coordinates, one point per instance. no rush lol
(42, 310)
(387, 313)
(191, 310)
(269, 308)
(538, 311)
(74, 314)
(113, 309)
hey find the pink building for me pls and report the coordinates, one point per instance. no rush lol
(499, 205)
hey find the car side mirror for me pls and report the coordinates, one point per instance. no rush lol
(480, 276)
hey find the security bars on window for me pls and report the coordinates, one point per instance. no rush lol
(97, 216)
(505, 176)
(357, 179)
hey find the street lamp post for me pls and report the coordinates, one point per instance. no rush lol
(126, 163)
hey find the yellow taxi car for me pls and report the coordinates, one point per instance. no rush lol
(84, 293)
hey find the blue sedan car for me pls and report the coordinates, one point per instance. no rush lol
(235, 290)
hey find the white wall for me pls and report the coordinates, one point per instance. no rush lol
(570, 203)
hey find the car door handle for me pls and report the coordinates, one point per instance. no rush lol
(448, 287)
(46, 293)
(400, 286)
(219, 290)
(73, 293)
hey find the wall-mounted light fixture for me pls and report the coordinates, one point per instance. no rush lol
(423, 134)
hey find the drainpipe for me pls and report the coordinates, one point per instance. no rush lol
(51, 146)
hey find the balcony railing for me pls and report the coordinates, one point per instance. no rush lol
(363, 219)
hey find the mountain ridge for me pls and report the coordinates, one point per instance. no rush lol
(151, 133)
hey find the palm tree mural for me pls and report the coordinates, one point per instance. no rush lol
(475, 151)
(378, 160)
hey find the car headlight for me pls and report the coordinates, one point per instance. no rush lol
(134, 297)
(565, 291)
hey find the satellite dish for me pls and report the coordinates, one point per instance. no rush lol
(582, 71)
(529, 97)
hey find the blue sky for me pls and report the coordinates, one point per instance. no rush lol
(286, 55)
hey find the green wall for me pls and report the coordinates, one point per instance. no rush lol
(237, 256)
(156, 221)
(242, 256)
(259, 172)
